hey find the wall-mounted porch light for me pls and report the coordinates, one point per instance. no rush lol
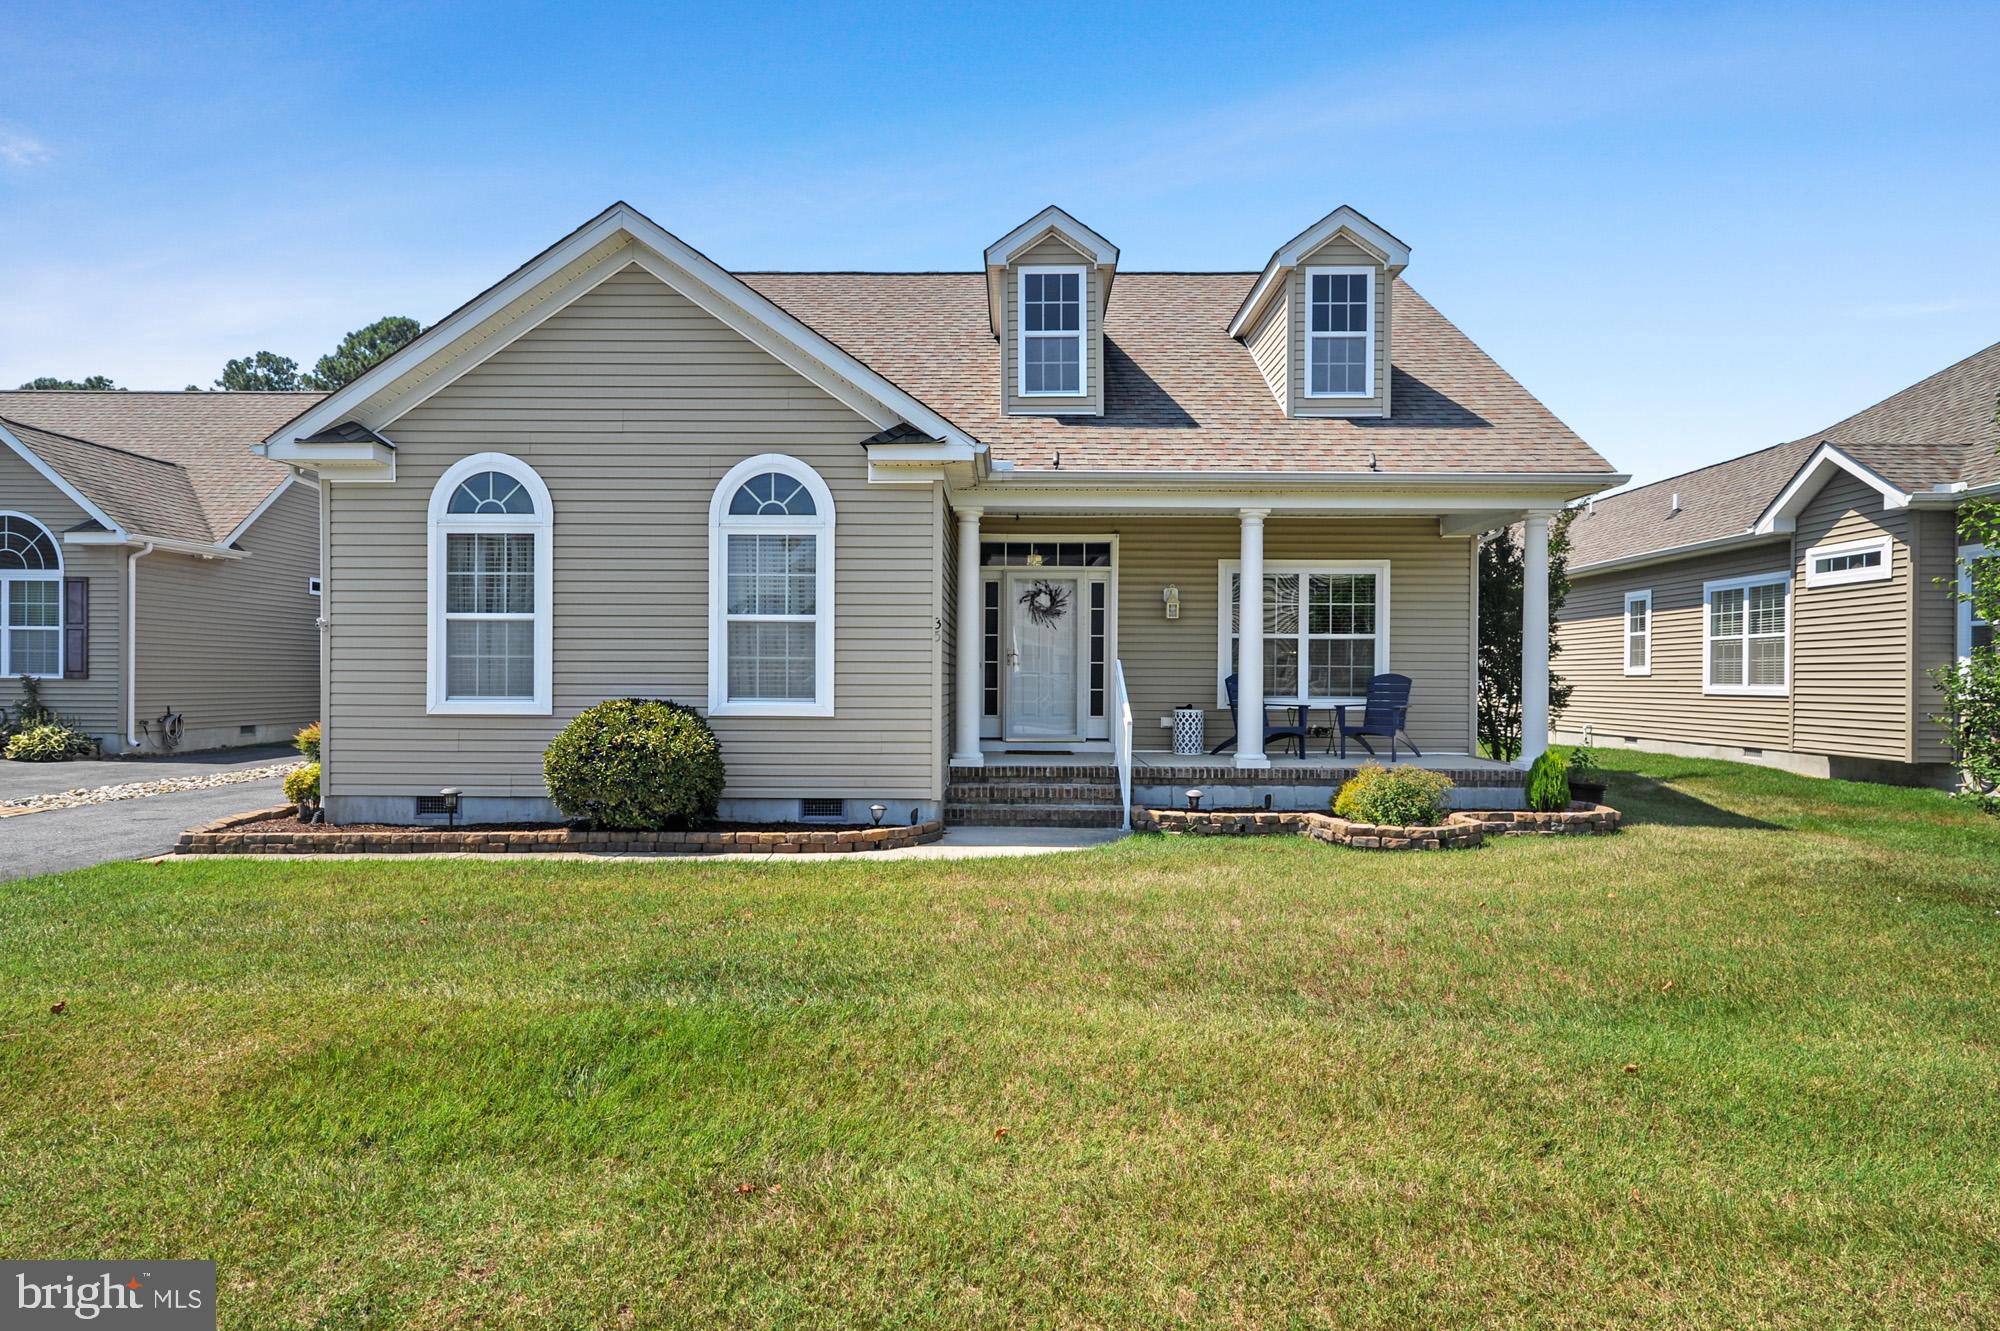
(1172, 596)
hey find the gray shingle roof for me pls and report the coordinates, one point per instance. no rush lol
(207, 435)
(139, 493)
(1939, 431)
(1180, 393)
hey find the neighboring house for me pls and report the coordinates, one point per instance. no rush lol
(152, 567)
(1784, 607)
(891, 532)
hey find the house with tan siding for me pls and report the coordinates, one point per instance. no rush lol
(954, 543)
(158, 580)
(1785, 607)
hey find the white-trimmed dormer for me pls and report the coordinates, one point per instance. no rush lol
(1048, 282)
(1317, 320)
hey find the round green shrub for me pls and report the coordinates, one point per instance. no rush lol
(307, 742)
(1548, 782)
(302, 785)
(49, 742)
(1394, 797)
(635, 765)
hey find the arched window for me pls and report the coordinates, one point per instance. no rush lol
(491, 564)
(31, 626)
(770, 560)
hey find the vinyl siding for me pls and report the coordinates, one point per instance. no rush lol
(631, 403)
(1934, 555)
(1052, 250)
(230, 643)
(1851, 644)
(1268, 346)
(96, 704)
(1168, 663)
(1669, 704)
(1338, 252)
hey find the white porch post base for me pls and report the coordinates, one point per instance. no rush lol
(1250, 644)
(967, 702)
(1534, 637)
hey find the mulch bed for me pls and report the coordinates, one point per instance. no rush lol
(278, 831)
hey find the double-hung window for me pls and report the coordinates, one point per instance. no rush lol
(1340, 332)
(1975, 631)
(491, 566)
(1054, 322)
(31, 635)
(1747, 636)
(1639, 633)
(771, 591)
(1326, 630)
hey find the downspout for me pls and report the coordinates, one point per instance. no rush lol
(132, 644)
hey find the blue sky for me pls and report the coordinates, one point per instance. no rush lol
(1691, 231)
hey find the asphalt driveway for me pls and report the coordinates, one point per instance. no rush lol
(19, 781)
(62, 839)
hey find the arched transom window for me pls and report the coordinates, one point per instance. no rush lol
(31, 625)
(771, 591)
(491, 559)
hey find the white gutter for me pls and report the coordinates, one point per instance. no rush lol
(1013, 475)
(151, 543)
(132, 644)
(1640, 560)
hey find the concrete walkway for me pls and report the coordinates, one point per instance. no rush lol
(20, 781)
(958, 843)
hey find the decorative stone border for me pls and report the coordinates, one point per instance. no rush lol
(235, 835)
(1461, 830)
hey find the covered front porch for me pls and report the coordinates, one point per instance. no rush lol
(1080, 632)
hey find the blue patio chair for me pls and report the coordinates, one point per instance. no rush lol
(1296, 731)
(1384, 715)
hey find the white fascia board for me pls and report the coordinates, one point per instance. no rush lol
(1285, 480)
(169, 544)
(70, 492)
(699, 278)
(1284, 496)
(1052, 219)
(1781, 514)
(1394, 254)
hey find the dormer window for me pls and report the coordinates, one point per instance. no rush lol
(1053, 328)
(1340, 332)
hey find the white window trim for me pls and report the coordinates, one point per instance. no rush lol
(54, 575)
(1367, 338)
(1708, 591)
(1885, 545)
(1967, 554)
(1225, 659)
(1626, 635)
(1082, 333)
(541, 524)
(720, 526)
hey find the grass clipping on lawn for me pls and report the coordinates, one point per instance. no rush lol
(1735, 1067)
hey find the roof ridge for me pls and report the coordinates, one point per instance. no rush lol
(14, 424)
(165, 392)
(972, 272)
(1851, 417)
(1696, 471)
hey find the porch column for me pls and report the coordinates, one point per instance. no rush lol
(1534, 637)
(970, 650)
(1250, 643)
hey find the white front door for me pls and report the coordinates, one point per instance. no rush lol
(1044, 611)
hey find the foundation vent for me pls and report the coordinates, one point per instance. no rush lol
(430, 806)
(821, 811)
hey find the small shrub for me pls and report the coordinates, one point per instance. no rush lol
(307, 742)
(635, 765)
(49, 742)
(1394, 797)
(302, 786)
(1548, 782)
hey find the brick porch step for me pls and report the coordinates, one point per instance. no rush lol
(1031, 792)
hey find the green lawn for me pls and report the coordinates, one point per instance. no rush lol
(1737, 1066)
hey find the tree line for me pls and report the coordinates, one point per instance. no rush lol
(269, 372)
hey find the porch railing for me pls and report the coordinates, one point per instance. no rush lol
(1121, 741)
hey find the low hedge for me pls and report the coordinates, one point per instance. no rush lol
(1394, 797)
